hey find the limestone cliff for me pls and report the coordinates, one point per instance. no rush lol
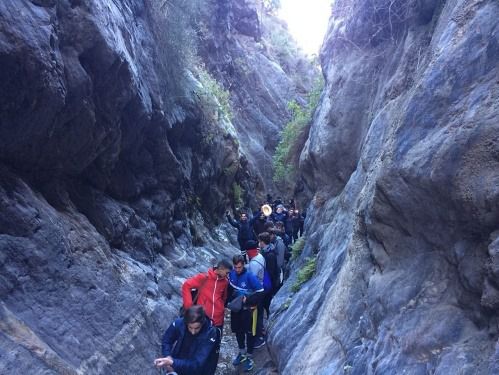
(118, 156)
(403, 159)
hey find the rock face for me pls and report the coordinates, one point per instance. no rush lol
(111, 173)
(403, 158)
(250, 52)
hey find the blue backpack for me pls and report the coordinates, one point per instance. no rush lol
(267, 281)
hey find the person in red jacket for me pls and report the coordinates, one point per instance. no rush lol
(212, 289)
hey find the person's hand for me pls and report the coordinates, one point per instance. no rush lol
(163, 362)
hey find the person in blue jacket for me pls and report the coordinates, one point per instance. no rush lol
(245, 285)
(188, 344)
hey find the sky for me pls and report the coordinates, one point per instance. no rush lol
(307, 21)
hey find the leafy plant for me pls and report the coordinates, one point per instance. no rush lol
(301, 117)
(237, 193)
(297, 247)
(214, 99)
(282, 44)
(304, 274)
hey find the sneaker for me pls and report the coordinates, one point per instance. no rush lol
(259, 342)
(248, 364)
(239, 359)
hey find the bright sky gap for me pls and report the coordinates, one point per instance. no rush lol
(307, 21)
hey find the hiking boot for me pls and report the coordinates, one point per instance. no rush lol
(259, 342)
(239, 359)
(248, 364)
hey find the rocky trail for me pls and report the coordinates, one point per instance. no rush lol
(229, 350)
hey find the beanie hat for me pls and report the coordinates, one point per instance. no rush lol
(251, 244)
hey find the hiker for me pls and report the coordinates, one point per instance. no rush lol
(268, 252)
(279, 228)
(211, 291)
(188, 343)
(212, 288)
(280, 214)
(244, 230)
(296, 224)
(258, 224)
(303, 216)
(245, 291)
(288, 224)
(280, 250)
(257, 266)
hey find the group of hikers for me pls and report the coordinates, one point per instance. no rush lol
(246, 286)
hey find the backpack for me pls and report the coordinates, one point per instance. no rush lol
(267, 281)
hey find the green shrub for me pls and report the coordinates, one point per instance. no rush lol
(283, 46)
(237, 193)
(297, 248)
(214, 99)
(304, 274)
(300, 118)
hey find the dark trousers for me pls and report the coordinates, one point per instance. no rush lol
(250, 341)
(259, 320)
(266, 303)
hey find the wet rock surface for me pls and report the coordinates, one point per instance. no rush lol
(402, 159)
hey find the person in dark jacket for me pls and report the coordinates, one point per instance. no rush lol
(188, 344)
(280, 214)
(245, 285)
(268, 252)
(296, 224)
(244, 230)
(288, 224)
(258, 222)
(303, 216)
(212, 289)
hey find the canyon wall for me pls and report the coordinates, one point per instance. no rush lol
(117, 162)
(403, 162)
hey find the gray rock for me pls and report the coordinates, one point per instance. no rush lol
(402, 159)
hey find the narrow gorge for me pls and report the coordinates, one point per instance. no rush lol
(129, 127)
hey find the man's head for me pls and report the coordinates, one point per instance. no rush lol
(268, 226)
(251, 248)
(223, 268)
(273, 234)
(280, 208)
(291, 211)
(238, 262)
(263, 239)
(244, 216)
(194, 318)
